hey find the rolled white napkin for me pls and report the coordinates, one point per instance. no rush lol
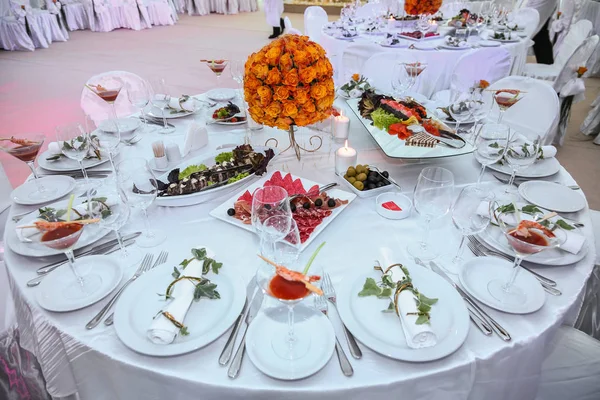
(162, 330)
(54, 148)
(25, 234)
(547, 151)
(417, 336)
(177, 104)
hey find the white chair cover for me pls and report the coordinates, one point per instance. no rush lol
(159, 12)
(369, 10)
(545, 9)
(591, 127)
(289, 28)
(114, 14)
(39, 36)
(490, 64)
(233, 6)
(540, 101)
(13, 34)
(529, 19)
(248, 5)
(55, 7)
(97, 108)
(577, 34)
(50, 23)
(198, 7)
(79, 14)
(354, 58)
(571, 368)
(218, 6)
(314, 19)
(590, 10)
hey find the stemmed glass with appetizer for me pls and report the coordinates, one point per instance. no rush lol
(506, 98)
(414, 70)
(217, 66)
(108, 90)
(75, 143)
(26, 147)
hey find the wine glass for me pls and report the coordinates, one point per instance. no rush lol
(289, 341)
(160, 98)
(414, 70)
(140, 96)
(268, 201)
(506, 98)
(138, 188)
(401, 80)
(423, 25)
(520, 154)
(526, 238)
(114, 220)
(272, 230)
(108, 90)
(490, 145)
(481, 105)
(74, 143)
(471, 22)
(460, 108)
(106, 141)
(64, 238)
(26, 147)
(432, 200)
(469, 218)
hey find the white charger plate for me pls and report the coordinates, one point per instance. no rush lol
(65, 164)
(221, 94)
(221, 211)
(539, 169)
(60, 185)
(445, 46)
(91, 234)
(552, 196)
(381, 332)
(125, 125)
(50, 294)
(206, 319)
(489, 43)
(201, 197)
(476, 273)
(311, 325)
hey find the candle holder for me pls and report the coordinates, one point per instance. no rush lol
(341, 128)
(295, 145)
(345, 157)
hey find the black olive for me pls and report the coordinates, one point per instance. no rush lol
(331, 203)
(371, 186)
(293, 207)
(318, 202)
(267, 206)
(231, 212)
(380, 184)
(371, 179)
(386, 174)
(306, 205)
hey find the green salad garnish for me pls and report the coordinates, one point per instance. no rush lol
(238, 177)
(226, 156)
(190, 170)
(383, 119)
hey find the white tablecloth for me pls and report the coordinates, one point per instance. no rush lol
(98, 366)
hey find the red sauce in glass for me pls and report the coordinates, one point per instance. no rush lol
(109, 95)
(287, 290)
(534, 238)
(25, 153)
(62, 232)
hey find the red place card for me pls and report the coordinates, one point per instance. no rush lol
(390, 205)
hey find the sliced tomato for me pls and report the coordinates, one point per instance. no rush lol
(431, 128)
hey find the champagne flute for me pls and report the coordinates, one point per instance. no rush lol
(490, 145)
(74, 143)
(520, 154)
(432, 200)
(139, 96)
(470, 215)
(138, 188)
(26, 147)
(160, 98)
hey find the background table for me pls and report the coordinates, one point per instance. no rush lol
(98, 366)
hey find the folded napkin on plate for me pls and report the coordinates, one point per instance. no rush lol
(25, 234)
(162, 330)
(547, 151)
(184, 103)
(54, 148)
(417, 336)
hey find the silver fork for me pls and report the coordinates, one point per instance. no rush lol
(161, 259)
(329, 293)
(321, 305)
(489, 252)
(146, 262)
(551, 290)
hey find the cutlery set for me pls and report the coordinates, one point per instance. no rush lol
(517, 181)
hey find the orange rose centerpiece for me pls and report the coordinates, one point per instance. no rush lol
(419, 7)
(288, 83)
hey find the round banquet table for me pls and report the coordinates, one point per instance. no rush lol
(97, 365)
(445, 59)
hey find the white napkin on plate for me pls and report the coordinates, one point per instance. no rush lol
(417, 336)
(177, 104)
(162, 330)
(547, 151)
(25, 234)
(54, 148)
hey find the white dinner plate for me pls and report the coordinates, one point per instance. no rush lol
(540, 169)
(445, 46)
(206, 319)
(495, 238)
(53, 292)
(381, 332)
(393, 46)
(125, 125)
(57, 186)
(489, 43)
(221, 94)
(419, 40)
(552, 196)
(201, 197)
(91, 234)
(350, 38)
(314, 332)
(221, 211)
(232, 123)
(425, 46)
(506, 40)
(65, 164)
(476, 273)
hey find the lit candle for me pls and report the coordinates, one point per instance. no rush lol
(344, 157)
(341, 127)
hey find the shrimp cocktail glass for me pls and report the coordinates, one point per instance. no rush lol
(290, 285)
(26, 147)
(108, 91)
(526, 237)
(217, 67)
(506, 98)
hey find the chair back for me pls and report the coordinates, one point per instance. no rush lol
(578, 32)
(528, 18)
(97, 108)
(289, 28)
(354, 58)
(540, 101)
(490, 64)
(314, 19)
(579, 58)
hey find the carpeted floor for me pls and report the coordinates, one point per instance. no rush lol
(41, 90)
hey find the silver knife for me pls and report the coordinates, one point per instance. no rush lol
(251, 291)
(483, 326)
(496, 327)
(236, 364)
(157, 121)
(37, 280)
(94, 250)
